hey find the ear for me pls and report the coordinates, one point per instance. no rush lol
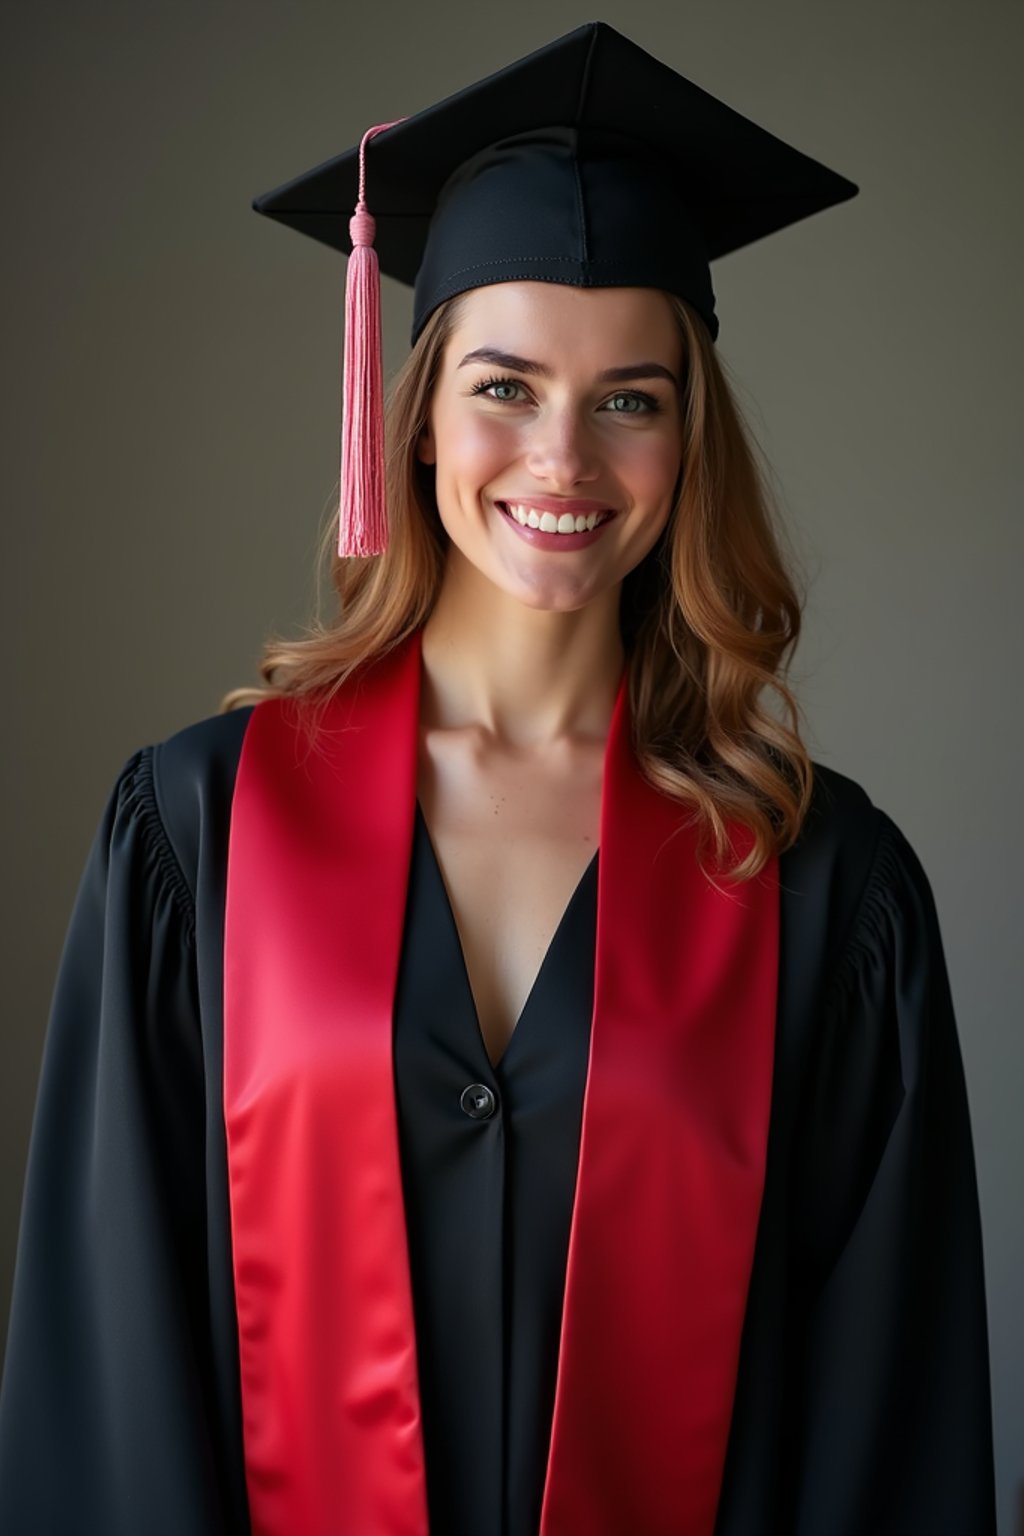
(425, 450)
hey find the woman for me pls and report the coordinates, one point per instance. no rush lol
(497, 1083)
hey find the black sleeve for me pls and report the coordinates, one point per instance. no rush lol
(104, 1424)
(897, 1432)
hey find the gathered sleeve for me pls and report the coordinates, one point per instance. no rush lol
(896, 1432)
(104, 1420)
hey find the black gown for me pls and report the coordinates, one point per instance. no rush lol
(862, 1400)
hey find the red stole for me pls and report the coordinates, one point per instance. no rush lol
(672, 1153)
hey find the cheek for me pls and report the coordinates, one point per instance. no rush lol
(652, 464)
(476, 446)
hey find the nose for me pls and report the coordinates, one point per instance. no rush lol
(561, 448)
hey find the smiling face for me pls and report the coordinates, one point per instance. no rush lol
(556, 403)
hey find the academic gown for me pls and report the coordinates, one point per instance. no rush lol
(862, 1400)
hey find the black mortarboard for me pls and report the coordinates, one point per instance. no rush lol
(611, 170)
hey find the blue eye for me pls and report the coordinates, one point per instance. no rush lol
(649, 402)
(478, 389)
(634, 396)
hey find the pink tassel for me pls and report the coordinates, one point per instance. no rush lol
(362, 508)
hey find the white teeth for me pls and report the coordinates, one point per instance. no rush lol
(547, 522)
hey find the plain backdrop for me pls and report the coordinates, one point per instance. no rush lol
(171, 373)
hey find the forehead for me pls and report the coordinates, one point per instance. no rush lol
(590, 321)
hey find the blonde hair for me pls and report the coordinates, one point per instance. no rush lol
(709, 618)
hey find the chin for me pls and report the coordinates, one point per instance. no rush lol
(551, 597)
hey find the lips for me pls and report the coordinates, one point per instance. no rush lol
(550, 524)
(561, 521)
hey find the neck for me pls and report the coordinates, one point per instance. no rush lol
(529, 677)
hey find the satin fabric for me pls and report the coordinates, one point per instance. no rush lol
(672, 1145)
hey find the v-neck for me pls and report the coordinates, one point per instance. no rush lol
(547, 959)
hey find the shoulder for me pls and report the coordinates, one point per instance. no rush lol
(863, 835)
(841, 818)
(191, 776)
(836, 846)
(200, 758)
(852, 875)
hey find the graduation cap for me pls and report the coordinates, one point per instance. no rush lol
(611, 170)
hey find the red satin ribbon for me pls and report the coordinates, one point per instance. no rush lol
(672, 1152)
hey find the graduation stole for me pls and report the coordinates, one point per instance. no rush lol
(672, 1150)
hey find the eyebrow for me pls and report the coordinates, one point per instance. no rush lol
(526, 365)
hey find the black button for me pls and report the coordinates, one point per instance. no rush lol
(478, 1101)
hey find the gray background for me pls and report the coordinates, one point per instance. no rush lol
(170, 422)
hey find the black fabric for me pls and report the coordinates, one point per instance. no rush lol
(120, 1406)
(587, 161)
(862, 1402)
(489, 1202)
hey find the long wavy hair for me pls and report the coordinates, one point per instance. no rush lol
(709, 618)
